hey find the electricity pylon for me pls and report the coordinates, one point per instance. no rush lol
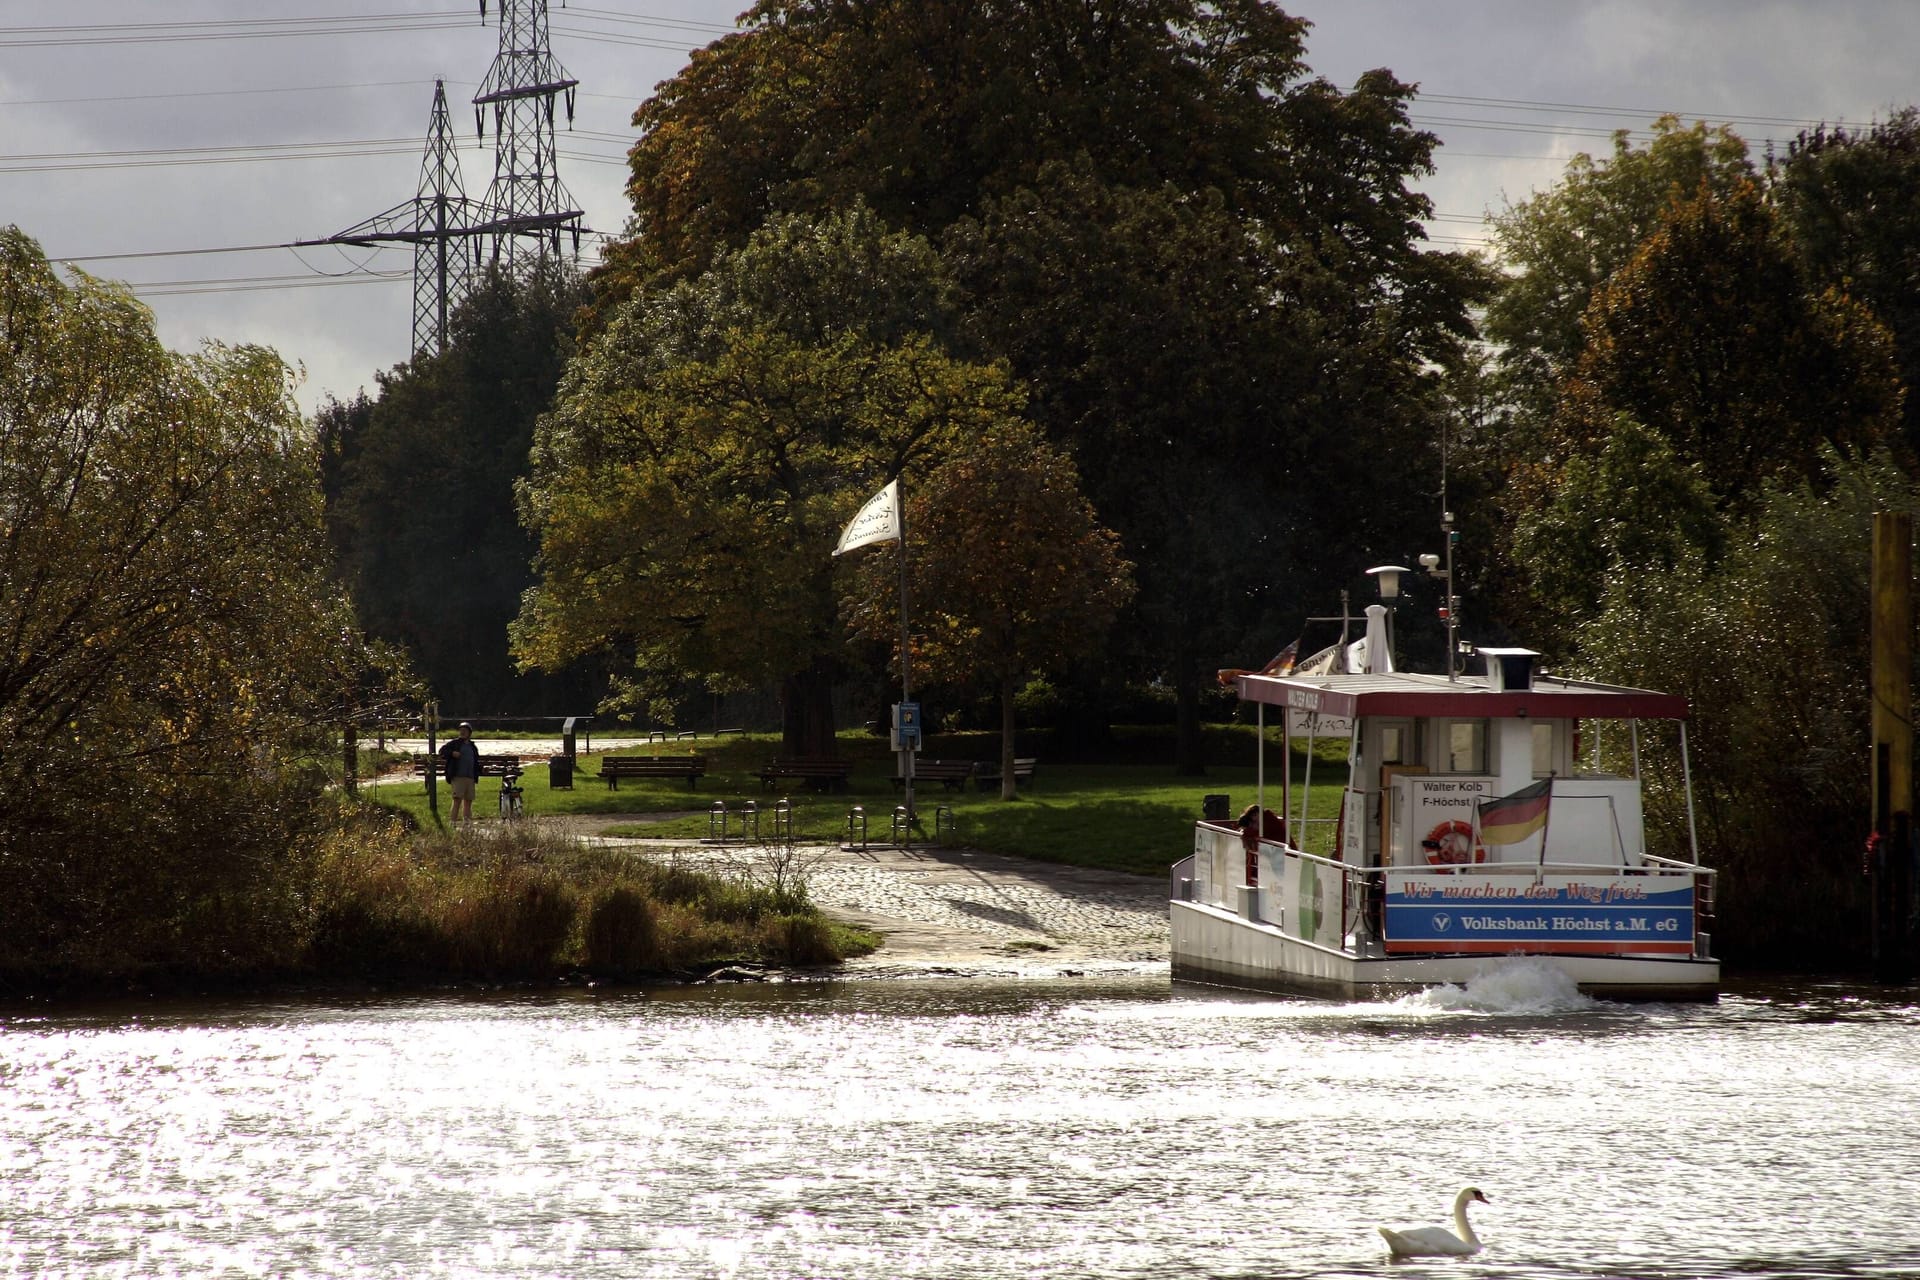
(441, 224)
(522, 87)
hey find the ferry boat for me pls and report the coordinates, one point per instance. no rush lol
(1473, 827)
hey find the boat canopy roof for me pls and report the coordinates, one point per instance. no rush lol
(1407, 694)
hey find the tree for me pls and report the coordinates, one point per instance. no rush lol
(1710, 339)
(1212, 386)
(170, 648)
(1011, 570)
(924, 108)
(705, 450)
(423, 516)
(1204, 262)
(1849, 209)
(1560, 247)
(1725, 375)
(1769, 644)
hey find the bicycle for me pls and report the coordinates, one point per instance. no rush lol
(512, 797)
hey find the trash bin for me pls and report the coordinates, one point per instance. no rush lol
(1216, 808)
(560, 773)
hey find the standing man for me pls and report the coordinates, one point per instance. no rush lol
(460, 762)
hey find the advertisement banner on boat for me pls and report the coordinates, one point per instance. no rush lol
(1312, 898)
(1564, 914)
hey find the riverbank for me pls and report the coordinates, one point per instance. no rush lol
(952, 910)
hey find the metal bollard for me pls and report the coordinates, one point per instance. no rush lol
(750, 818)
(717, 821)
(902, 826)
(944, 826)
(857, 823)
(783, 822)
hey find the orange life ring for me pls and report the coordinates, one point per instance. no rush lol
(1451, 843)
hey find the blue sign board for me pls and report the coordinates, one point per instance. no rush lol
(1507, 914)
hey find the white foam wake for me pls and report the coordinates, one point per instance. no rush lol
(1523, 984)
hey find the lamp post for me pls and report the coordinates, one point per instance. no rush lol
(1387, 578)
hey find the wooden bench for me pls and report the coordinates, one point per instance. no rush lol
(819, 775)
(490, 766)
(989, 775)
(614, 768)
(951, 774)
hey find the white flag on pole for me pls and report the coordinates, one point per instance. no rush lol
(878, 521)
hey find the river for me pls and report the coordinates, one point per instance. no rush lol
(962, 1128)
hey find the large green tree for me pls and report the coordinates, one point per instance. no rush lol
(1728, 375)
(1558, 248)
(706, 448)
(170, 646)
(422, 511)
(1204, 261)
(1849, 208)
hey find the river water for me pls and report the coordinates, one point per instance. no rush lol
(953, 1128)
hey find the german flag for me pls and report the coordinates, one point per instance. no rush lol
(1511, 819)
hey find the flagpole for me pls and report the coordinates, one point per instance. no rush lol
(906, 653)
(1545, 821)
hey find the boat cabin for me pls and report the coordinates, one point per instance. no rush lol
(1476, 821)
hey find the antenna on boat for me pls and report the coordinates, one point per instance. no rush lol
(1449, 603)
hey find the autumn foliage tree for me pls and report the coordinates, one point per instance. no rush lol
(171, 651)
(1010, 568)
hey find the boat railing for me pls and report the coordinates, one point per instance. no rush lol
(1180, 880)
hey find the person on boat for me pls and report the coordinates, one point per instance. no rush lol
(1257, 824)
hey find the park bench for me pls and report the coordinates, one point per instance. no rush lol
(818, 774)
(951, 774)
(614, 768)
(989, 776)
(490, 766)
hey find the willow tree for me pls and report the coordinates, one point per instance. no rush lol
(170, 647)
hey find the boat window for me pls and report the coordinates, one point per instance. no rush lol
(1543, 756)
(1466, 744)
(1396, 742)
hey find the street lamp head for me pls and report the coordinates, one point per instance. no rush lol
(1430, 562)
(1388, 578)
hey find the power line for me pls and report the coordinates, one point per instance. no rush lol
(208, 93)
(167, 253)
(229, 29)
(265, 284)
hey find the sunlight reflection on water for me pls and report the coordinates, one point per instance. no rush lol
(958, 1129)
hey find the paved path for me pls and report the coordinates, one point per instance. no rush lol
(951, 910)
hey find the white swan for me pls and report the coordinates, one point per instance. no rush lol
(1438, 1242)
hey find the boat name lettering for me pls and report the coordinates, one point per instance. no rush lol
(1574, 892)
(1481, 892)
(1606, 892)
(1305, 699)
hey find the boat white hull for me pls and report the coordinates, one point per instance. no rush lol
(1217, 946)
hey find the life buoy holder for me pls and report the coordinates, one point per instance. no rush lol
(1451, 843)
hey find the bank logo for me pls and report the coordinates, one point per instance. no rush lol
(1441, 920)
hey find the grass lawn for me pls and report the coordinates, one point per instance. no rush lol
(1133, 817)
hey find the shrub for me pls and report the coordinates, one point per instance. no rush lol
(622, 934)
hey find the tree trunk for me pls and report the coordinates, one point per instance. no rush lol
(806, 712)
(1189, 757)
(1009, 787)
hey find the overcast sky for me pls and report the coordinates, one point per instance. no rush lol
(134, 128)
